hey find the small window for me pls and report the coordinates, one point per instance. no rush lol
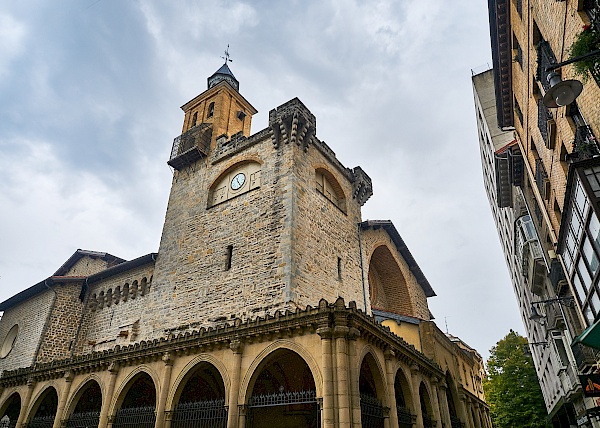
(211, 110)
(328, 187)
(339, 268)
(9, 341)
(194, 119)
(229, 255)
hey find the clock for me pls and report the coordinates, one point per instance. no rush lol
(238, 181)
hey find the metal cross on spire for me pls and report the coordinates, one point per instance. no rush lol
(226, 57)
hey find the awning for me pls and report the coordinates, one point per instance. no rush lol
(590, 336)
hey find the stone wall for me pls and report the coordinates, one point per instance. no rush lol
(31, 317)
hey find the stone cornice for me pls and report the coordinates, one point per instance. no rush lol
(280, 325)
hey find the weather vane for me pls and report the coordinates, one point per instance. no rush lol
(226, 57)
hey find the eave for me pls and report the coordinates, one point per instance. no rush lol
(500, 37)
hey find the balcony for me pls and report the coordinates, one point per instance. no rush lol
(584, 357)
(191, 146)
(592, 8)
(584, 144)
(508, 164)
(545, 59)
(529, 253)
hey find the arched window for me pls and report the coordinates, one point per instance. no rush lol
(211, 110)
(235, 181)
(387, 286)
(330, 188)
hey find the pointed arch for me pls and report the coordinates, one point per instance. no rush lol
(10, 409)
(236, 180)
(404, 402)
(426, 405)
(86, 404)
(44, 408)
(136, 399)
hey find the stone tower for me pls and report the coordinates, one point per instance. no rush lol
(255, 223)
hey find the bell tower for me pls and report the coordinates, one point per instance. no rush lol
(219, 111)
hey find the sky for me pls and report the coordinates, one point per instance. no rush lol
(90, 92)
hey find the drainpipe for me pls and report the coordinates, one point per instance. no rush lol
(47, 323)
(362, 269)
(85, 305)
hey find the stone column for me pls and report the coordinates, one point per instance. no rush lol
(353, 364)
(328, 410)
(462, 409)
(416, 382)
(25, 403)
(435, 402)
(164, 390)
(390, 379)
(445, 409)
(113, 369)
(62, 401)
(468, 405)
(237, 347)
(340, 332)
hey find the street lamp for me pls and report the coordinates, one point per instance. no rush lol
(537, 317)
(564, 92)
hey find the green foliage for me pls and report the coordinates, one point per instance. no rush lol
(511, 388)
(585, 42)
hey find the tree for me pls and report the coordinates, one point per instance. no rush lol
(511, 388)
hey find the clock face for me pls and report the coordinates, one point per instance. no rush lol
(238, 181)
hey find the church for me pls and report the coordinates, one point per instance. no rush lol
(270, 302)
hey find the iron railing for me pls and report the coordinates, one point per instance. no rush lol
(541, 178)
(200, 414)
(191, 146)
(584, 144)
(544, 116)
(427, 421)
(282, 398)
(135, 417)
(592, 8)
(584, 356)
(405, 418)
(6, 422)
(455, 422)
(84, 420)
(41, 422)
(545, 59)
(371, 411)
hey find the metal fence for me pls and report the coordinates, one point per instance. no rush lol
(405, 418)
(371, 412)
(135, 417)
(200, 414)
(84, 420)
(41, 422)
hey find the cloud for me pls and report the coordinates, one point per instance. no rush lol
(12, 37)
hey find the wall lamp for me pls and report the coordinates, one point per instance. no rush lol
(564, 92)
(537, 317)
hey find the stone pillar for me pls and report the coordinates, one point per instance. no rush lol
(113, 369)
(468, 405)
(435, 402)
(462, 409)
(444, 408)
(164, 390)
(237, 347)
(25, 403)
(343, 397)
(416, 382)
(390, 379)
(62, 401)
(354, 367)
(328, 410)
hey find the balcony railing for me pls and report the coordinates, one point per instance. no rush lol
(584, 356)
(545, 124)
(585, 144)
(541, 178)
(592, 8)
(191, 146)
(545, 58)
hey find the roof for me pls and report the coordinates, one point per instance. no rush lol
(403, 250)
(58, 277)
(224, 70)
(505, 148)
(79, 254)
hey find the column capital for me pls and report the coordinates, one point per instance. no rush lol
(325, 332)
(68, 376)
(113, 368)
(389, 354)
(340, 331)
(167, 359)
(414, 369)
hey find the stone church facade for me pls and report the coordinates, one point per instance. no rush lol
(270, 302)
